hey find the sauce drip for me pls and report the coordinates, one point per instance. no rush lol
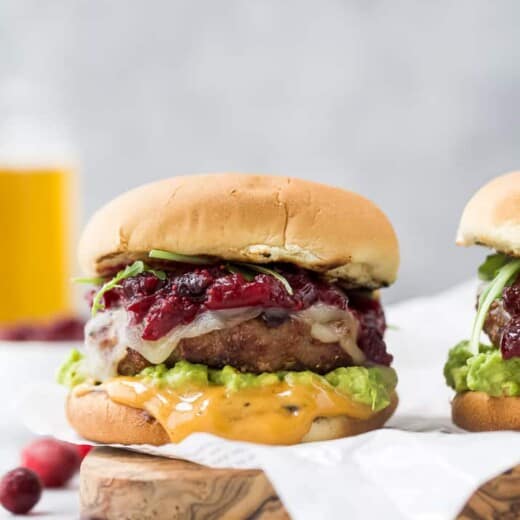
(273, 414)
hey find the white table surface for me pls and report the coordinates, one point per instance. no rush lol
(21, 365)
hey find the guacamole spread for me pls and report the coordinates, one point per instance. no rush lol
(485, 372)
(368, 385)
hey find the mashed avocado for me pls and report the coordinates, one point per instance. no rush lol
(70, 373)
(372, 386)
(485, 372)
(369, 385)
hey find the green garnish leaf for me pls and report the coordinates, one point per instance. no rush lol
(274, 274)
(159, 274)
(159, 254)
(136, 268)
(493, 291)
(246, 273)
(96, 280)
(488, 269)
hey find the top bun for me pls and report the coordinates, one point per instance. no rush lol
(492, 216)
(248, 218)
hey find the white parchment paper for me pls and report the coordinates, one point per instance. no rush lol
(419, 467)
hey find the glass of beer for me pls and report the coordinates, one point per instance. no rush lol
(36, 230)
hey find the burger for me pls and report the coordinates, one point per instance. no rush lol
(486, 376)
(244, 306)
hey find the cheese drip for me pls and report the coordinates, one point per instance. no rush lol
(274, 414)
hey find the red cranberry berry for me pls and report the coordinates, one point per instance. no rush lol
(83, 450)
(55, 462)
(64, 329)
(20, 490)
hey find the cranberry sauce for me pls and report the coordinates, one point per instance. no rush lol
(163, 304)
(510, 338)
(372, 327)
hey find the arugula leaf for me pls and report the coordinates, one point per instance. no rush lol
(493, 291)
(241, 267)
(136, 268)
(95, 280)
(176, 257)
(246, 273)
(274, 274)
(488, 269)
(159, 274)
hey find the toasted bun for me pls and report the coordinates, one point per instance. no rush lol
(492, 216)
(249, 218)
(479, 412)
(96, 418)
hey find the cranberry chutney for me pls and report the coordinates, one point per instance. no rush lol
(191, 290)
(510, 334)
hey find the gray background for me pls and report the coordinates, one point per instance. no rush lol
(414, 104)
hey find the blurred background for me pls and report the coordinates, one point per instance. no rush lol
(414, 104)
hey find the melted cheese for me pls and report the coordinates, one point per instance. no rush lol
(273, 414)
(333, 325)
(116, 326)
(110, 333)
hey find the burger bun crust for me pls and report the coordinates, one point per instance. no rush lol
(247, 218)
(479, 412)
(97, 418)
(492, 216)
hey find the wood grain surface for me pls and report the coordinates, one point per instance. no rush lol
(498, 499)
(122, 485)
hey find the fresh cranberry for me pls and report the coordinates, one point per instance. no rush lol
(83, 450)
(60, 329)
(64, 329)
(20, 490)
(19, 332)
(510, 342)
(55, 462)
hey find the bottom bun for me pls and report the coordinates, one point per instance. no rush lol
(479, 412)
(96, 418)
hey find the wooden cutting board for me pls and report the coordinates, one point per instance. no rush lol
(498, 499)
(122, 485)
